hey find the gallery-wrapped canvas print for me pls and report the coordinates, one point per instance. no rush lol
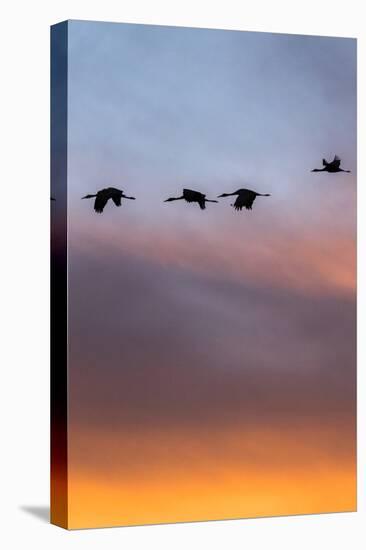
(203, 274)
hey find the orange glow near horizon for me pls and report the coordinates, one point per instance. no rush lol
(233, 495)
(175, 477)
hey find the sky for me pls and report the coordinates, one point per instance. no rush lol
(212, 354)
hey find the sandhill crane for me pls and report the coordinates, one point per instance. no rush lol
(332, 167)
(103, 196)
(192, 196)
(245, 198)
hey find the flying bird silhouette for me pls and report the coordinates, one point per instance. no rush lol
(192, 196)
(245, 198)
(331, 167)
(103, 196)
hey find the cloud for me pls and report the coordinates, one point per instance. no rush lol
(318, 258)
(179, 347)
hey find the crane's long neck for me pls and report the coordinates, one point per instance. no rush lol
(320, 169)
(175, 198)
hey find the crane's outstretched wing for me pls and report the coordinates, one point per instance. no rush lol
(201, 201)
(195, 196)
(190, 195)
(336, 162)
(117, 200)
(100, 201)
(245, 199)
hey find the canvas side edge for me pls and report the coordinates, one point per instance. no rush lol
(58, 203)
